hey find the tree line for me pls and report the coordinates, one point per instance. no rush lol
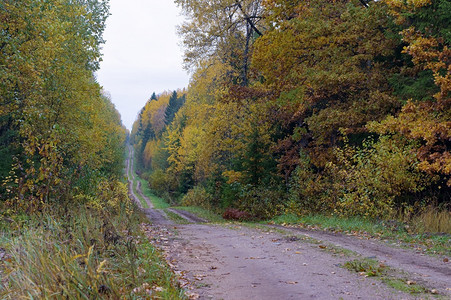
(60, 135)
(335, 106)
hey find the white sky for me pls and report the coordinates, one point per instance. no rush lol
(142, 54)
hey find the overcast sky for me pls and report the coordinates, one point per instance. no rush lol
(142, 54)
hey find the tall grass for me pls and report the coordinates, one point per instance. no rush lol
(85, 252)
(430, 229)
(333, 222)
(431, 219)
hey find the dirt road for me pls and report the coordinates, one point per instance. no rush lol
(232, 261)
(237, 262)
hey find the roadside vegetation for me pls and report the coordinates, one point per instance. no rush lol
(158, 202)
(373, 268)
(396, 232)
(338, 110)
(89, 249)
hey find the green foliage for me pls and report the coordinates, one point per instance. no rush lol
(175, 103)
(256, 164)
(262, 202)
(432, 19)
(420, 87)
(198, 196)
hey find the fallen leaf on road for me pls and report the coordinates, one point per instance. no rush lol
(192, 295)
(292, 282)
(445, 260)
(409, 282)
(322, 246)
(199, 277)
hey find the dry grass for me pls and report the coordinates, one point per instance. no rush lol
(89, 254)
(433, 220)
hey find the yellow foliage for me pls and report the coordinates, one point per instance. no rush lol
(154, 112)
(429, 122)
(48, 91)
(232, 176)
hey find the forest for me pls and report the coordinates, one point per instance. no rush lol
(68, 229)
(335, 107)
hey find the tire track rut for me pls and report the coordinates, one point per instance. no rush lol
(156, 216)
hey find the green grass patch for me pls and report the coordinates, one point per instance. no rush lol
(392, 278)
(405, 286)
(202, 213)
(158, 203)
(175, 217)
(366, 266)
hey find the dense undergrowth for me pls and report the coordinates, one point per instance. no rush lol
(88, 249)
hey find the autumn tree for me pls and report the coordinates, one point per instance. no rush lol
(309, 106)
(425, 117)
(223, 30)
(333, 64)
(63, 126)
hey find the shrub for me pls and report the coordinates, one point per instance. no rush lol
(369, 181)
(159, 182)
(198, 196)
(261, 202)
(309, 191)
(235, 214)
